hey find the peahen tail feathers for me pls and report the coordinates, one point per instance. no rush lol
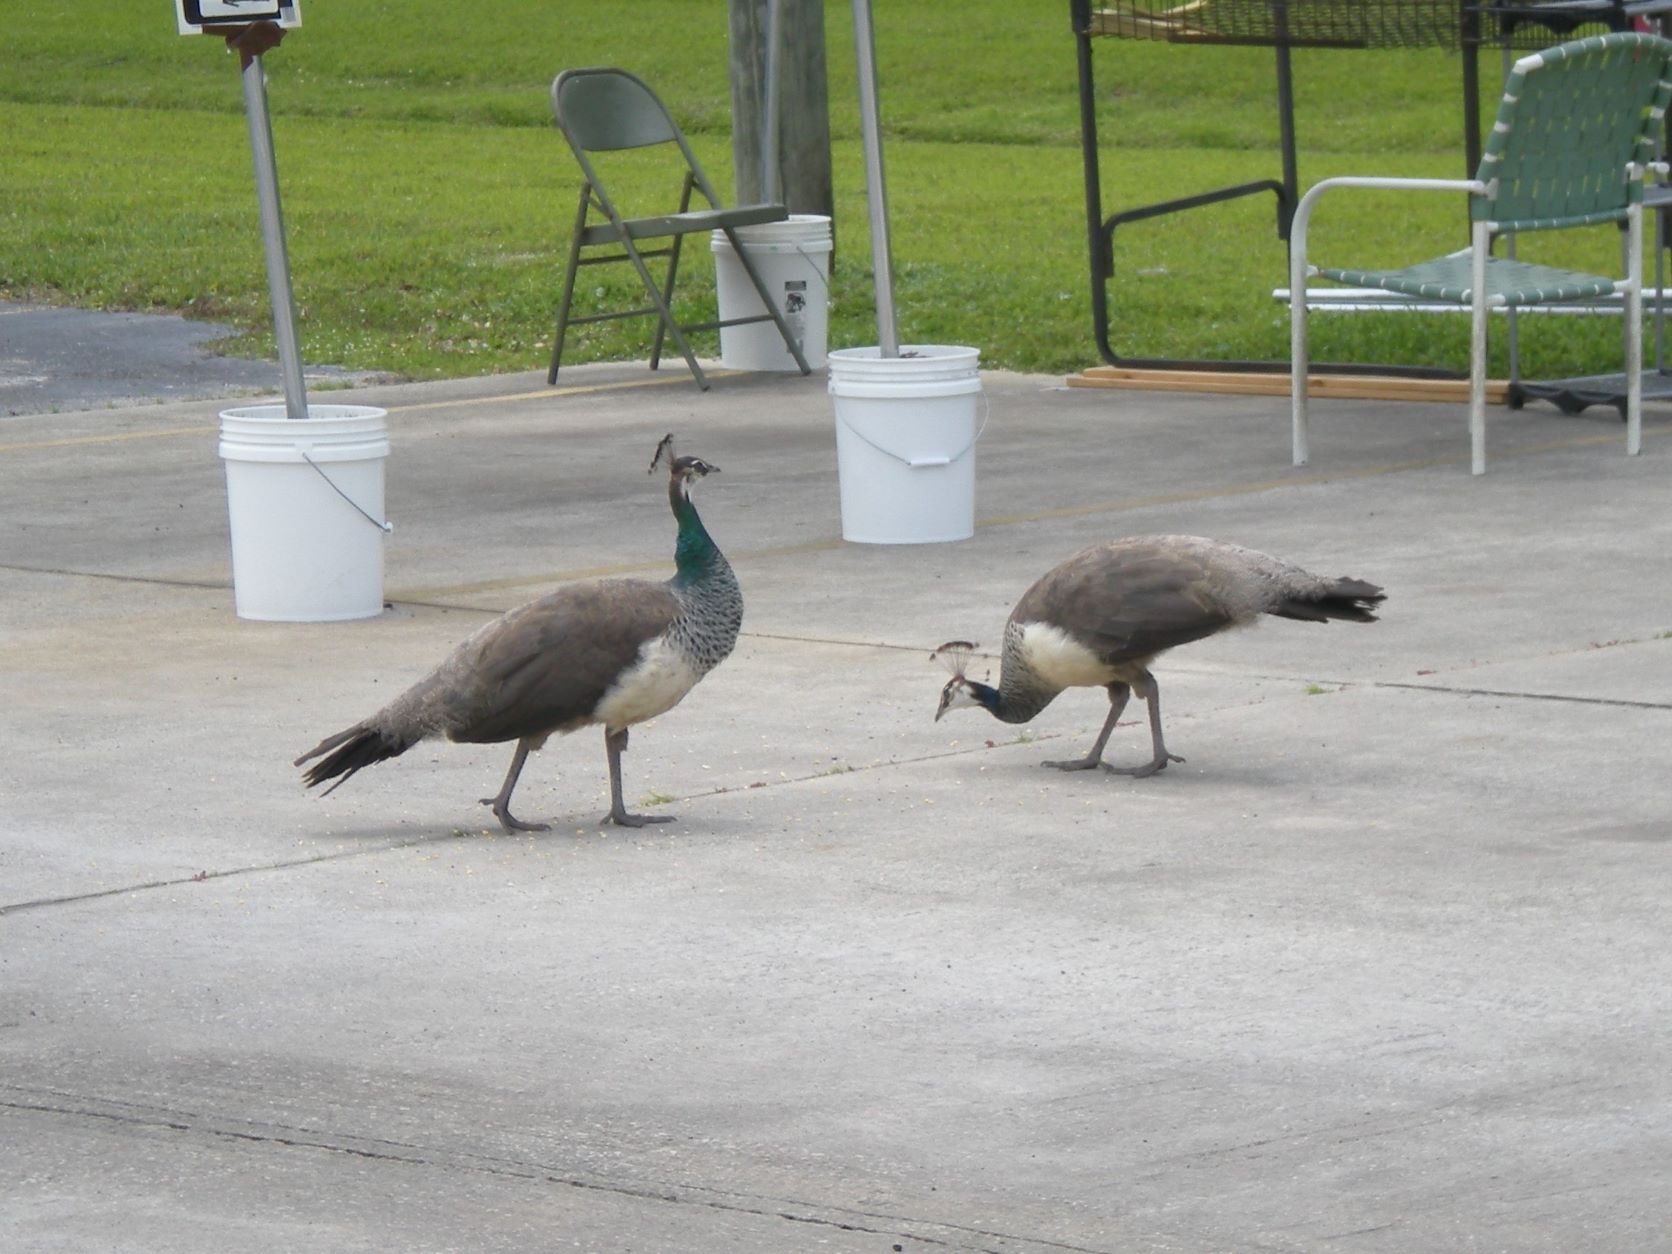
(1349, 600)
(349, 751)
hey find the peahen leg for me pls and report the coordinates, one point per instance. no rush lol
(1118, 694)
(614, 743)
(1146, 687)
(501, 803)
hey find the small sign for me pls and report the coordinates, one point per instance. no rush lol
(197, 17)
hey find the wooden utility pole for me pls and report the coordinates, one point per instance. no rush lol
(803, 123)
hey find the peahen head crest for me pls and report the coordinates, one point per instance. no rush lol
(960, 690)
(663, 453)
(955, 655)
(684, 470)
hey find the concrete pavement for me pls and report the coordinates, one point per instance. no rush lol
(1382, 966)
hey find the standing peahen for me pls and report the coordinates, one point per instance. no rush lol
(1098, 619)
(609, 651)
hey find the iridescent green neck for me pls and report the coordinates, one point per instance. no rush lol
(694, 551)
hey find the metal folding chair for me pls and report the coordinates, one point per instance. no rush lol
(1575, 133)
(605, 110)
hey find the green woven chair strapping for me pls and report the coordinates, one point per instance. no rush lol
(1575, 133)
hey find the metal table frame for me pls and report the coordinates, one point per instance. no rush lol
(1559, 15)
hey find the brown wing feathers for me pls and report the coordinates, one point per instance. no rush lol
(541, 668)
(1126, 602)
(550, 665)
(1132, 599)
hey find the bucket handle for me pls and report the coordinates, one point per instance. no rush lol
(814, 266)
(387, 528)
(811, 263)
(924, 463)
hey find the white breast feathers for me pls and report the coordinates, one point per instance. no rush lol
(653, 685)
(1061, 661)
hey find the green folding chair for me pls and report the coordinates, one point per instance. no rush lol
(1576, 131)
(605, 110)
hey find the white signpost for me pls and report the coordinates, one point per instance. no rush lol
(250, 27)
(200, 17)
(304, 484)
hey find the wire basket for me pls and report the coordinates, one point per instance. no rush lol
(1357, 23)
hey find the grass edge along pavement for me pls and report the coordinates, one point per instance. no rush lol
(428, 200)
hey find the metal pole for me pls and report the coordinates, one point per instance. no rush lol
(1102, 266)
(1471, 90)
(876, 196)
(769, 132)
(272, 236)
(1286, 125)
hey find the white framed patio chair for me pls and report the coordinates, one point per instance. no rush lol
(606, 110)
(1575, 133)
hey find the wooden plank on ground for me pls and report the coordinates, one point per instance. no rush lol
(1248, 383)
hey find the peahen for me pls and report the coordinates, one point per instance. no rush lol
(608, 651)
(1099, 619)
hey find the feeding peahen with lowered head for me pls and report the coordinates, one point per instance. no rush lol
(1098, 619)
(609, 651)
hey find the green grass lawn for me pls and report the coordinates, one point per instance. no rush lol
(428, 198)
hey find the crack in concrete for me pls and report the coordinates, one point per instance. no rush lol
(788, 638)
(899, 1227)
(1621, 702)
(203, 877)
(17, 907)
(985, 746)
(158, 581)
(1618, 702)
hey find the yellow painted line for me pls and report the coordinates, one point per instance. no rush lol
(543, 394)
(547, 393)
(120, 438)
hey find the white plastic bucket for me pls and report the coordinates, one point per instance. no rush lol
(305, 500)
(793, 259)
(905, 442)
